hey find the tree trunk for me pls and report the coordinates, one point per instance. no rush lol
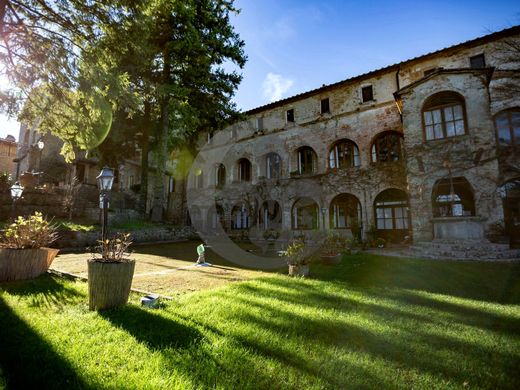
(161, 156)
(145, 149)
(162, 145)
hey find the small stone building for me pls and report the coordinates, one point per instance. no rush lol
(426, 148)
(7, 155)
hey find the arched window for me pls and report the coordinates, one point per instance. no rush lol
(344, 154)
(240, 217)
(270, 216)
(391, 212)
(220, 176)
(508, 127)
(345, 211)
(216, 216)
(387, 147)
(194, 217)
(273, 165)
(510, 194)
(305, 214)
(444, 116)
(306, 160)
(453, 197)
(244, 170)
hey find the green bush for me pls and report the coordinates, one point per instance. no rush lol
(31, 232)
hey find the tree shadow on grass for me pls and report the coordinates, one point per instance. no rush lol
(410, 340)
(28, 361)
(485, 281)
(156, 331)
(44, 291)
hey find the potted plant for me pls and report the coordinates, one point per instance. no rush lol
(110, 273)
(297, 258)
(23, 248)
(331, 249)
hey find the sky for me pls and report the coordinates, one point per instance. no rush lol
(297, 45)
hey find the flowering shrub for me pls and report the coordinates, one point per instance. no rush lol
(296, 253)
(29, 233)
(113, 250)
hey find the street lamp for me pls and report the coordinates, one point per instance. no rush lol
(105, 180)
(40, 145)
(16, 193)
(324, 213)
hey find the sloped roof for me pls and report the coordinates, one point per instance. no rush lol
(473, 42)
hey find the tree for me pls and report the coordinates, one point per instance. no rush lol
(176, 65)
(48, 52)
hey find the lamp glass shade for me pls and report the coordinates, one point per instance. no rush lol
(106, 179)
(40, 144)
(16, 191)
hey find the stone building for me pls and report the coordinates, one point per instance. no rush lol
(7, 155)
(423, 149)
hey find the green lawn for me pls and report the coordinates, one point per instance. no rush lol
(372, 322)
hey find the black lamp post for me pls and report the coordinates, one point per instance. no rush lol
(105, 181)
(40, 145)
(16, 193)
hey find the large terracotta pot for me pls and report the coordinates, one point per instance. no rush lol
(21, 264)
(109, 283)
(299, 270)
(331, 259)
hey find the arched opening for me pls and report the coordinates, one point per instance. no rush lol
(392, 216)
(344, 154)
(270, 215)
(220, 176)
(240, 217)
(387, 147)
(273, 166)
(510, 193)
(307, 160)
(194, 217)
(244, 170)
(345, 212)
(444, 116)
(305, 214)
(507, 124)
(217, 217)
(453, 197)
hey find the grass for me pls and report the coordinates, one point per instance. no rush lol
(372, 322)
(80, 226)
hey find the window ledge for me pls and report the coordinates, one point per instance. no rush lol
(461, 218)
(455, 137)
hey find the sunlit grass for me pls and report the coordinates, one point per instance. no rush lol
(371, 322)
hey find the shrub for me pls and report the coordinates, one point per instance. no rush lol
(113, 250)
(29, 233)
(334, 244)
(296, 253)
(271, 234)
(380, 242)
(5, 181)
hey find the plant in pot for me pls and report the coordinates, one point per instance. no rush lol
(331, 249)
(23, 248)
(297, 258)
(110, 273)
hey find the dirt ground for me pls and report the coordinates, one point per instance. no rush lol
(167, 269)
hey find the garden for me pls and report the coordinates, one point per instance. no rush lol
(368, 322)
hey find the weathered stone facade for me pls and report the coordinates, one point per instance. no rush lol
(370, 139)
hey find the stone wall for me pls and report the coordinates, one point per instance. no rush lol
(472, 155)
(69, 239)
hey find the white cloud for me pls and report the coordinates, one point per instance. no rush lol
(275, 86)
